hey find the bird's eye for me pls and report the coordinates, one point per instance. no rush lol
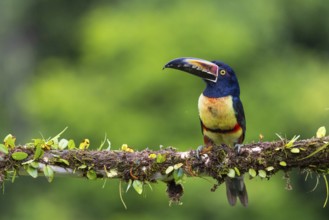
(222, 72)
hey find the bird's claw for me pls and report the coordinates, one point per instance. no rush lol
(237, 148)
(203, 150)
(198, 151)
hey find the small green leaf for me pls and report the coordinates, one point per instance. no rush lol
(138, 186)
(111, 173)
(38, 152)
(283, 163)
(28, 162)
(231, 173)
(169, 169)
(177, 166)
(179, 176)
(91, 174)
(262, 173)
(270, 168)
(161, 158)
(49, 173)
(295, 150)
(84, 144)
(71, 144)
(321, 132)
(237, 171)
(19, 155)
(50, 145)
(61, 160)
(83, 166)
(252, 172)
(37, 142)
(3, 149)
(9, 141)
(292, 141)
(34, 164)
(32, 171)
(152, 156)
(63, 143)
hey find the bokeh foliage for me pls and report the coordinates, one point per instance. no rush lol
(96, 67)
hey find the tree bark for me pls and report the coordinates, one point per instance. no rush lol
(261, 159)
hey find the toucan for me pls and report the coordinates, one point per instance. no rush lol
(220, 111)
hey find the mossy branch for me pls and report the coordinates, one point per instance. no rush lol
(261, 159)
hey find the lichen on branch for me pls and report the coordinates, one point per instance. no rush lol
(55, 157)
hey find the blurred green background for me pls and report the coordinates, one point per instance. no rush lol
(96, 67)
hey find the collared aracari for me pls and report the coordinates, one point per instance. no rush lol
(221, 112)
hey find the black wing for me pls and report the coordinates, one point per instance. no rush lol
(239, 114)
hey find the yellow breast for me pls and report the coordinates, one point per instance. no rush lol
(217, 113)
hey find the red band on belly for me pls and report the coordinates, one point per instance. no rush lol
(223, 131)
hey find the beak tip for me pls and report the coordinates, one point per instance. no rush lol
(175, 63)
(168, 65)
(202, 68)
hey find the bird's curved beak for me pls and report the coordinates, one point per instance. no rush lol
(199, 67)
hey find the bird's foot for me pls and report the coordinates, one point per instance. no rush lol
(203, 150)
(198, 151)
(237, 148)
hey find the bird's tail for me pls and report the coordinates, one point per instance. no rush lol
(235, 188)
